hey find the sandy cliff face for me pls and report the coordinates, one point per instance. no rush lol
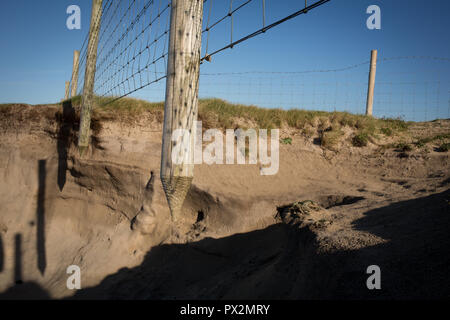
(101, 213)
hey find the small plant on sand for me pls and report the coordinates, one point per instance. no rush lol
(444, 147)
(329, 138)
(286, 140)
(386, 131)
(360, 139)
(423, 141)
(419, 143)
(403, 147)
(308, 132)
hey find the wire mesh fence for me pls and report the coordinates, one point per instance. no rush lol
(410, 88)
(133, 39)
(133, 51)
(132, 48)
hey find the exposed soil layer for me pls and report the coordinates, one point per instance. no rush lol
(310, 231)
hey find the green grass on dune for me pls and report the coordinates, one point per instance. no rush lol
(226, 114)
(217, 113)
(125, 105)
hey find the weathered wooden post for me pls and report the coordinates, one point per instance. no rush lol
(89, 77)
(76, 60)
(67, 90)
(181, 103)
(373, 70)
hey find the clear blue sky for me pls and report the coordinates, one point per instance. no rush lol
(37, 48)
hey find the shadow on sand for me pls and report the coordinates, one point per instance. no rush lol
(67, 120)
(40, 219)
(2, 254)
(21, 290)
(30, 290)
(285, 262)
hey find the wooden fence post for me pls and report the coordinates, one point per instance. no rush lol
(76, 60)
(89, 77)
(181, 102)
(67, 90)
(373, 70)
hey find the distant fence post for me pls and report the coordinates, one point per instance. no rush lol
(373, 70)
(181, 102)
(66, 92)
(76, 60)
(89, 77)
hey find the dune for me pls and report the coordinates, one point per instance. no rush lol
(349, 193)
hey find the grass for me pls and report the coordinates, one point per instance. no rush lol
(423, 141)
(225, 114)
(129, 106)
(444, 147)
(331, 137)
(386, 131)
(360, 139)
(403, 147)
(286, 140)
(217, 113)
(220, 113)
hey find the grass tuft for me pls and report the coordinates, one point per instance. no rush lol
(331, 137)
(360, 139)
(403, 147)
(444, 147)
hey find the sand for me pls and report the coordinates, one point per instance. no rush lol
(239, 235)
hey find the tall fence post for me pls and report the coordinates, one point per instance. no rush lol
(373, 70)
(66, 92)
(181, 102)
(89, 77)
(76, 60)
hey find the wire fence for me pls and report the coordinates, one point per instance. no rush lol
(133, 39)
(221, 14)
(409, 88)
(132, 48)
(133, 51)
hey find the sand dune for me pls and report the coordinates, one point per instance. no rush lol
(239, 236)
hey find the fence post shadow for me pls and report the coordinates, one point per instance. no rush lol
(66, 122)
(21, 290)
(18, 259)
(2, 254)
(40, 219)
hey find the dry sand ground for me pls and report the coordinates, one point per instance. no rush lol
(234, 241)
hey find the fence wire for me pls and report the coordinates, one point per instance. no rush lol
(410, 88)
(133, 40)
(220, 18)
(133, 49)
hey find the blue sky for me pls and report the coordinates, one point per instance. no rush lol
(37, 49)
